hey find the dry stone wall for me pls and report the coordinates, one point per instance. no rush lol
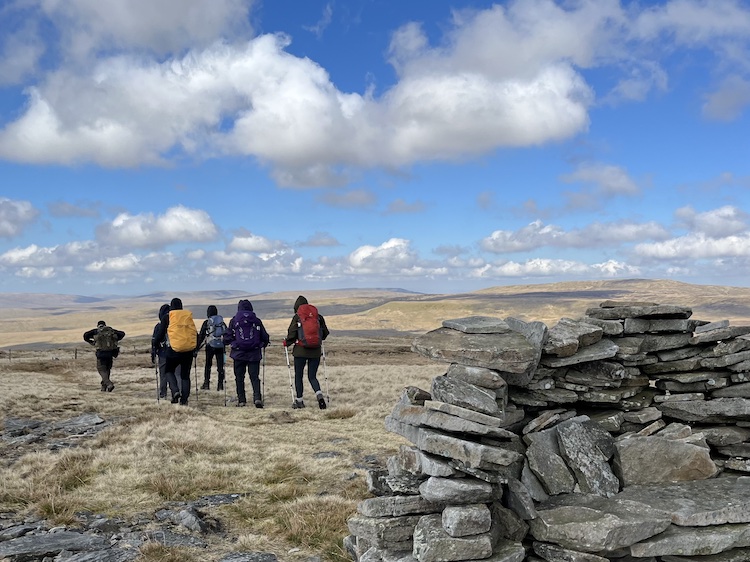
(622, 435)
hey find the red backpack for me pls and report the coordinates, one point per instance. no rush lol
(309, 332)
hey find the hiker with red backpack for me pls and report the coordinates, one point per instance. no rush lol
(248, 339)
(105, 339)
(212, 333)
(306, 332)
(178, 334)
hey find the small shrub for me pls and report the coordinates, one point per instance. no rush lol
(156, 552)
(340, 413)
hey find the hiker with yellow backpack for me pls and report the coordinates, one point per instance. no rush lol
(180, 338)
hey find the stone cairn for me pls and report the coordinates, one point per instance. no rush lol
(623, 435)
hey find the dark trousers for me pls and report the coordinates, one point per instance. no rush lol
(178, 367)
(104, 368)
(163, 380)
(312, 372)
(212, 352)
(253, 370)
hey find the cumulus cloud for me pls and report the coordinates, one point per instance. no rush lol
(729, 100)
(719, 222)
(601, 181)
(394, 255)
(537, 234)
(543, 267)
(249, 242)
(696, 246)
(15, 215)
(178, 224)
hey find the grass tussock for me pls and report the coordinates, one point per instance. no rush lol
(299, 471)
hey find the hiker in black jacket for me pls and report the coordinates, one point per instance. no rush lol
(212, 333)
(304, 355)
(104, 339)
(158, 351)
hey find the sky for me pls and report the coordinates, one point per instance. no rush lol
(441, 146)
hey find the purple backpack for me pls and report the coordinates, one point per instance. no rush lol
(247, 334)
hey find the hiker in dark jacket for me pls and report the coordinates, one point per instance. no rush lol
(305, 355)
(158, 351)
(248, 339)
(214, 346)
(104, 339)
(178, 363)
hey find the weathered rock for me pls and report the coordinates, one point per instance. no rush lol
(734, 391)
(532, 484)
(591, 523)
(734, 555)
(646, 460)
(660, 342)
(466, 520)
(415, 461)
(736, 450)
(603, 349)
(467, 414)
(478, 376)
(697, 503)
(545, 461)
(478, 325)
(506, 524)
(464, 395)
(433, 544)
(644, 325)
(396, 506)
(510, 352)
(710, 326)
(639, 311)
(720, 334)
(31, 547)
(383, 531)
(721, 435)
(554, 553)
(643, 416)
(708, 411)
(580, 448)
(678, 366)
(456, 491)
(113, 555)
(425, 417)
(609, 327)
(690, 541)
(565, 337)
(519, 500)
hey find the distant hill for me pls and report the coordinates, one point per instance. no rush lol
(47, 319)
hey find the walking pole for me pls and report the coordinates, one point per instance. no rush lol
(263, 379)
(325, 372)
(291, 383)
(225, 377)
(195, 376)
(156, 370)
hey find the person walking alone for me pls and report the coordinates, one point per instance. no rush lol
(212, 333)
(306, 332)
(248, 339)
(177, 333)
(105, 339)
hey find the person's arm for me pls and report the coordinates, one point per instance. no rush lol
(291, 333)
(202, 334)
(160, 332)
(264, 337)
(88, 337)
(120, 334)
(228, 337)
(323, 328)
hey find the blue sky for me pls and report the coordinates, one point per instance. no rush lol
(442, 146)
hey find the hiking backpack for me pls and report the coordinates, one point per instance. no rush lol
(309, 331)
(215, 331)
(181, 331)
(105, 339)
(247, 336)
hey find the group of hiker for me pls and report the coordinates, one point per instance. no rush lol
(175, 343)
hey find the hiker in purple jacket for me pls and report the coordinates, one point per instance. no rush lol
(247, 338)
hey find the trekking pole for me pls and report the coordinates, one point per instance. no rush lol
(291, 383)
(263, 379)
(325, 372)
(225, 377)
(197, 394)
(156, 370)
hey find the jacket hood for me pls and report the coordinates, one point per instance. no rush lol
(211, 311)
(163, 311)
(245, 304)
(299, 302)
(176, 304)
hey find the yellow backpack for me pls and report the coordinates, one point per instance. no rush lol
(181, 333)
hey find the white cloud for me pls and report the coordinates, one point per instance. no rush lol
(537, 234)
(729, 100)
(178, 224)
(605, 180)
(19, 55)
(543, 267)
(250, 242)
(716, 223)
(15, 216)
(696, 246)
(126, 263)
(390, 257)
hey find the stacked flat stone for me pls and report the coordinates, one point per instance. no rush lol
(622, 435)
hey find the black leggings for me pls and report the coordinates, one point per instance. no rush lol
(312, 371)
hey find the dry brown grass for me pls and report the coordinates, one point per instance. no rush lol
(301, 471)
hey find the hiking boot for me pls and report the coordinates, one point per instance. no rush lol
(297, 404)
(220, 387)
(110, 387)
(258, 404)
(175, 398)
(322, 403)
(241, 404)
(205, 386)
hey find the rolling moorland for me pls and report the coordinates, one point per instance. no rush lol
(296, 475)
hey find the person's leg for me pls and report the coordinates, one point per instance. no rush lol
(207, 368)
(312, 376)
(103, 366)
(171, 365)
(162, 362)
(220, 367)
(253, 369)
(239, 379)
(299, 370)
(186, 363)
